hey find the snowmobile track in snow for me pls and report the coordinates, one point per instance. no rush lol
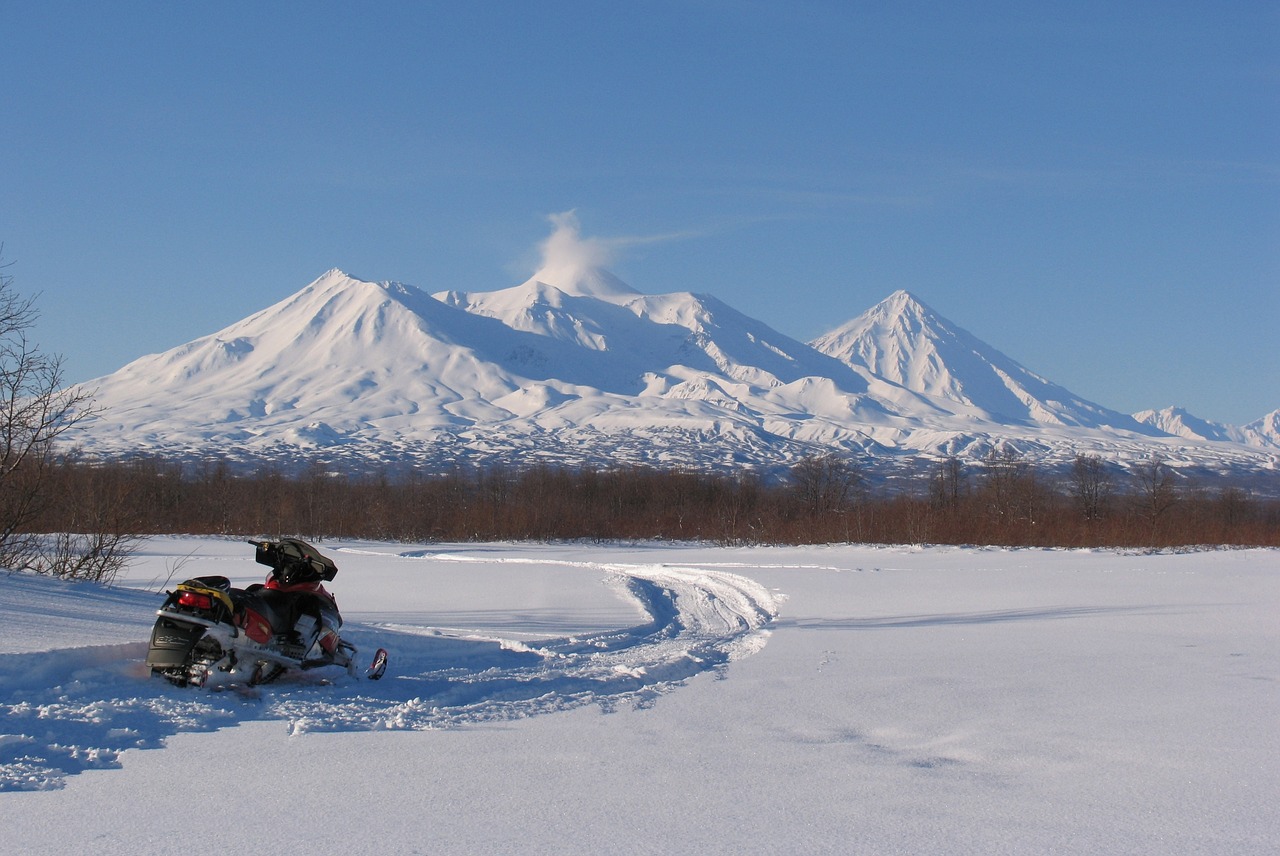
(695, 620)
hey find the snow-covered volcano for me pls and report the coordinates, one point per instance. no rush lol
(905, 341)
(575, 366)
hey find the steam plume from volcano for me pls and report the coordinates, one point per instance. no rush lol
(575, 264)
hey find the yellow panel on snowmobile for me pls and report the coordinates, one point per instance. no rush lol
(211, 592)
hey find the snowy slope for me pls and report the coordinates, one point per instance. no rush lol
(1180, 423)
(1263, 433)
(576, 366)
(681, 346)
(905, 341)
(297, 367)
(682, 699)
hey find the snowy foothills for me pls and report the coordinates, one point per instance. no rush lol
(575, 367)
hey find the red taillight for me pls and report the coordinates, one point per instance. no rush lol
(192, 600)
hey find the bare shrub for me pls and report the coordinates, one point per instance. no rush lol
(96, 556)
(35, 410)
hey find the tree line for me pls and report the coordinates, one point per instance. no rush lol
(1004, 500)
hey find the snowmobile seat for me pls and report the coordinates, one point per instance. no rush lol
(215, 582)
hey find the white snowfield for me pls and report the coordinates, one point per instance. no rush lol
(586, 698)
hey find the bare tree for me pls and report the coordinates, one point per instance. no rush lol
(1003, 483)
(35, 410)
(825, 483)
(1090, 486)
(1157, 492)
(948, 484)
(1234, 507)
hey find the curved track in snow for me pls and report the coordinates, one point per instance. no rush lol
(72, 709)
(696, 620)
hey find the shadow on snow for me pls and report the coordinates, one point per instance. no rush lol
(71, 710)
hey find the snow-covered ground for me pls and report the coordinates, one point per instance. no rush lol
(566, 699)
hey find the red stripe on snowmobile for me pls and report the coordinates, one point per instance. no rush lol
(255, 626)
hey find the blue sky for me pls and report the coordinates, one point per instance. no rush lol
(1091, 187)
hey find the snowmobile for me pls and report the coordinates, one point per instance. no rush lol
(207, 630)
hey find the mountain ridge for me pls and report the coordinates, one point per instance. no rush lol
(588, 370)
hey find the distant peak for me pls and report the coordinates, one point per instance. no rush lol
(903, 301)
(339, 280)
(334, 275)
